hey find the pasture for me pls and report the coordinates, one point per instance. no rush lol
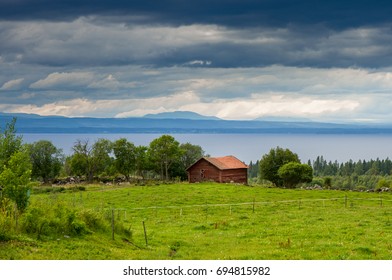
(212, 221)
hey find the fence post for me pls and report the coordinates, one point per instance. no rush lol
(145, 233)
(112, 224)
(16, 213)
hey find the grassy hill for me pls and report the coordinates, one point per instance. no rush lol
(205, 221)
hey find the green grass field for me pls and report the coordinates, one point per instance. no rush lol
(218, 221)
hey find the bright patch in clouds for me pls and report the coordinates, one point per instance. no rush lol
(13, 84)
(231, 93)
(63, 80)
(253, 108)
(244, 109)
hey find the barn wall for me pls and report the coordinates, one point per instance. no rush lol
(211, 173)
(235, 175)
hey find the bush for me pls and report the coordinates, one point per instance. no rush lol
(4, 236)
(95, 221)
(54, 220)
(35, 222)
(271, 162)
(48, 222)
(77, 228)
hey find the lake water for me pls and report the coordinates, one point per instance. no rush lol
(251, 147)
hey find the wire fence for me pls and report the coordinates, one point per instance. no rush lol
(199, 215)
(342, 202)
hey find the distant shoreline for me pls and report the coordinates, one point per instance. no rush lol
(30, 124)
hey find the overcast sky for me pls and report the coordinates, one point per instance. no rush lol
(325, 60)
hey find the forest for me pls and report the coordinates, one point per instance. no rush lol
(362, 175)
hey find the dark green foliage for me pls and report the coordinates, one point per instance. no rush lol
(46, 160)
(271, 162)
(125, 153)
(142, 164)
(253, 169)
(15, 167)
(360, 175)
(61, 221)
(328, 182)
(163, 152)
(41, 221)
(362, 167)
(90, 160)
(383, 183)
(293, 173)
(189, 155)
(9, 143)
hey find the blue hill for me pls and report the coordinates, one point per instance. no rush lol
(171, 123)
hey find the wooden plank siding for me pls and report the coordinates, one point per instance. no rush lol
(222, 170)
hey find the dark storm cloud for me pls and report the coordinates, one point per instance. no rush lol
(90, 42)
(255, 33)
(239, 58)
(241, 13)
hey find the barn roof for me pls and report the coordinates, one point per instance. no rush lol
(222, 163)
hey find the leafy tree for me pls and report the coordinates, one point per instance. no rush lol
(81, 158)
(189, 155)
(10, 143)
(271, 162)
(125, 153)
(15, 167)
(253, 169)
(141, 160)
(293, 173)
(90, 160)
(15, 178)
(163, 152)
(328, 182)
(358, 169)
(382, 184)
(46, 160)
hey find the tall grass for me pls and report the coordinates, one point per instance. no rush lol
(49, 218)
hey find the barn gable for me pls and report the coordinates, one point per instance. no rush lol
(218, 169)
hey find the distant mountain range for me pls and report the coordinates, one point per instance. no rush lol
(180, 115)
(179, 122)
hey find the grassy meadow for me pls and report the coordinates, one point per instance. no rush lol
(206, 221)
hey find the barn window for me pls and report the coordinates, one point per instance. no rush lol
(202, 175)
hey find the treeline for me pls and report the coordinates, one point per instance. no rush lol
(322, 167)
(350, 168)
(163, 159)
(363, 175)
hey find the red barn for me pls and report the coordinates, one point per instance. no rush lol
(218, 169)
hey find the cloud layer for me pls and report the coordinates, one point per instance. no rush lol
(327, 60)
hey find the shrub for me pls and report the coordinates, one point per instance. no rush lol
(45, 220)
(95, 221)
(35, 222)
